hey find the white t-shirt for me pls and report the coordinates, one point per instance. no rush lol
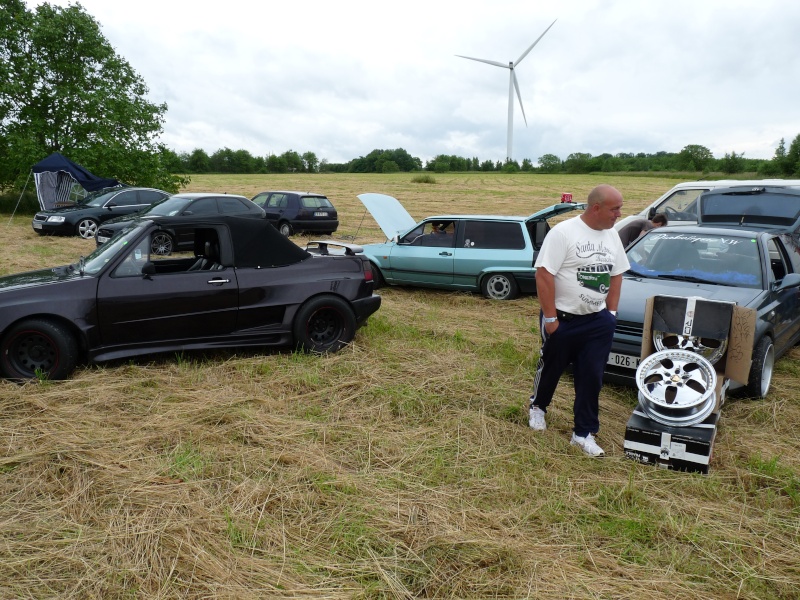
(582, 260)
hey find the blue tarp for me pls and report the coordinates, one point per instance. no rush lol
(56, 177)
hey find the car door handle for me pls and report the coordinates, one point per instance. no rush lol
(218, 281)
(445, 254)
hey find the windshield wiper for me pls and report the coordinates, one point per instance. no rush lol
(687, 278)
(636, 273)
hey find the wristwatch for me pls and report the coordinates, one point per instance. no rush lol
(550, 319)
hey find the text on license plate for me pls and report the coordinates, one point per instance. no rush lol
(623, 360)
(320, 214)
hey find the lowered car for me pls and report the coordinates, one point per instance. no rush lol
(490, 254)
(754, 266)
(243, 285)
(195, 204)
(295, 212)
(85, 217)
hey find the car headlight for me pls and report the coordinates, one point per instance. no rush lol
(55, 219)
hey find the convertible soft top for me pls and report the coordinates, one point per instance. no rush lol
(250, 243)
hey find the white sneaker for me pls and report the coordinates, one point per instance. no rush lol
(587, 444)
(536, 419)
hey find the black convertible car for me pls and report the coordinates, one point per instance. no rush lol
(243, 285)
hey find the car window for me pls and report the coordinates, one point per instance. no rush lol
(778, 263)
(149, 196)
(169, 207)
(497, 235)
(680, 206)
(231, 205)
(432, 233)
(277, 201)
(716, 259)
(132, 264)
(204, 206)
(260, 199)
(127, 198)
(315, 202)
(791, 244)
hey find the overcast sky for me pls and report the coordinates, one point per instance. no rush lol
(341, 79)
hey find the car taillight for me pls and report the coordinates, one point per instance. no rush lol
(367, 271)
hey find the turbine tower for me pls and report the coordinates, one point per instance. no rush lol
(512, 85)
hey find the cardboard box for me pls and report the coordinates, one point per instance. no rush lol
(676, 448)
(690, 448)
(705, 318)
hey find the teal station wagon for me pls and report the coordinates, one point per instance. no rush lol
(487, 253)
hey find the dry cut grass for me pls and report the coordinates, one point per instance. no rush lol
(401, 467)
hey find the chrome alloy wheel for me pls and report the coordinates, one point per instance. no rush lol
(710, 349)
(676, 387)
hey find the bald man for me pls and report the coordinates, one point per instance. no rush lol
(578, 280)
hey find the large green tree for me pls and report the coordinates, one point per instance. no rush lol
(64, 88)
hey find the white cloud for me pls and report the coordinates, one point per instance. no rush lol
(341, 79)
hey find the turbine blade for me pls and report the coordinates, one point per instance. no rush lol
(519, 96)
(488, 62)
(524, 54)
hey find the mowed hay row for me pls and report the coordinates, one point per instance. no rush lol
(400, 467)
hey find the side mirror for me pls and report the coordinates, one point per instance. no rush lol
(149, 268)
(790, 281)
(111, 205)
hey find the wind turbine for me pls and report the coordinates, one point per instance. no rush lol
(512, 85)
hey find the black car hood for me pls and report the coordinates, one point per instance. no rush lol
(37, 278)
(61, 210)
(636, 290)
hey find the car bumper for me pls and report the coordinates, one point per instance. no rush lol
(364, 307)
(59, 228)
(316, 225)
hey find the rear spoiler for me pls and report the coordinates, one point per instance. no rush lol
(321, 247)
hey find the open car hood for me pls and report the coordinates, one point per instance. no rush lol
(390, 215)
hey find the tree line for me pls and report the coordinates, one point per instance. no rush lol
(692, 158)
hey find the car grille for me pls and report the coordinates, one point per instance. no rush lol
(629, 328)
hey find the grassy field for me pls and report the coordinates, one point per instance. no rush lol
(400, 467)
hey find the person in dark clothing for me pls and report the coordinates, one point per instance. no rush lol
(635, 229)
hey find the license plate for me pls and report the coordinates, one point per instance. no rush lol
(37, 225)
(623, 360)
(102, 239)
(320, 214)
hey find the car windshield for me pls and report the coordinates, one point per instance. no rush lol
(700, 257)
(315, 202)
(167, 208)
(105, 253)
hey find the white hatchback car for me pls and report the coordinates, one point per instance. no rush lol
(679, 203)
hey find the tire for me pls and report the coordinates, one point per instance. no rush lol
(86, 228)
(377, 277)
(162, 244)
(761, 369)
(34, 348)
(324, 324)
(285, 228)
(499, 286)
